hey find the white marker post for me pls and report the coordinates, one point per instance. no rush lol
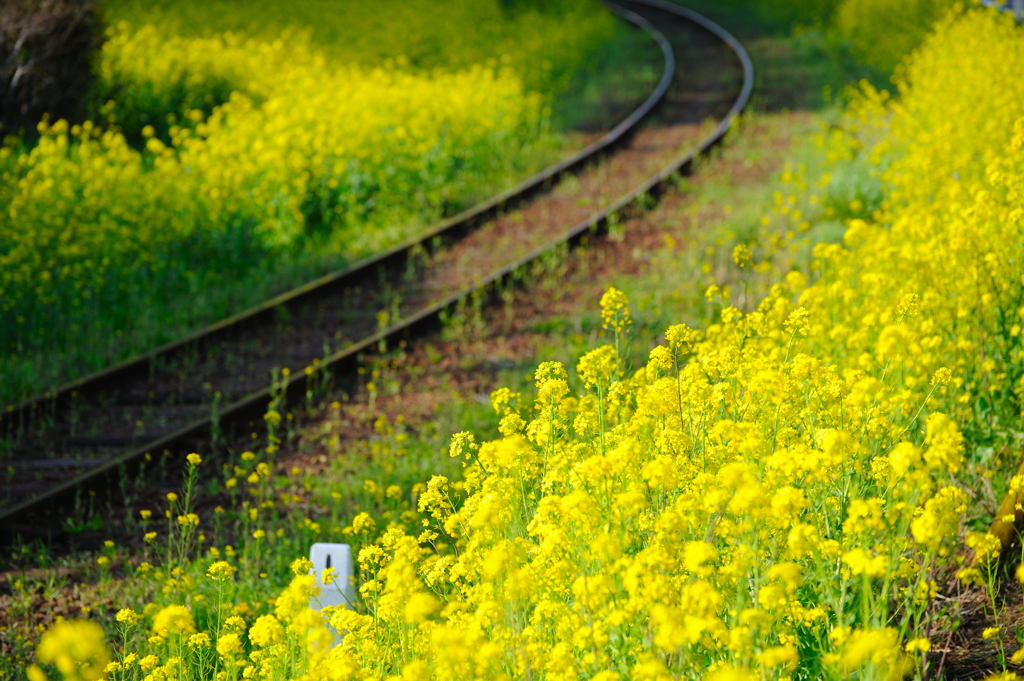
(341, 590)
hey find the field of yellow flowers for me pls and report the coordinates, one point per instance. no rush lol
(237, 150)
(785, 491)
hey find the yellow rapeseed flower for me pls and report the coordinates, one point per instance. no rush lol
(173, 620)
(77, 648)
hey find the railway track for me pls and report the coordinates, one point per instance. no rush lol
(222, 378)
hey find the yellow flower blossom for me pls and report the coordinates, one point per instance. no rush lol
(173, 620)
(76, 648)
(615, 310)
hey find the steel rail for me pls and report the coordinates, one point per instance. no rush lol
(251, 408)
(446, 230)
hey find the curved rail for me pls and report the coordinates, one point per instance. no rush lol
(250, 409)
(445, 230)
